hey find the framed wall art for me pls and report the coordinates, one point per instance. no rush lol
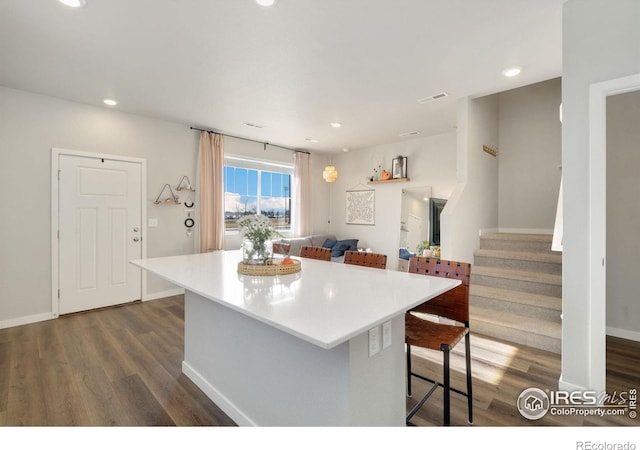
(360, 207)
(399, 167)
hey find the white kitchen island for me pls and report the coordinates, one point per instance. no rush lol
(294, 350)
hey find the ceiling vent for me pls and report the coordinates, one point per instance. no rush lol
(409, 133)
(253, 125)
(433, 97)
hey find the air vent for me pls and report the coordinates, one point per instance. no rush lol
(253, 125)
(409, 133)
(433, 97)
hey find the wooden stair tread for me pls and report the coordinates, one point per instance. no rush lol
(507, 295)
(521, 256)
(522, 275)
(518, 237)
(509, 320)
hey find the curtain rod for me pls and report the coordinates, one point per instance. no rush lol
(251, 140)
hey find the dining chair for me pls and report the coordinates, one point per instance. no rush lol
(425, 333)
(368, 259)
(281, 248)
(322, 253)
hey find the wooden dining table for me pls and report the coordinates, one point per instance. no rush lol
(320, 347)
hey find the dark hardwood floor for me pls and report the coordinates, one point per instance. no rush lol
(115, 366)
(122, 366)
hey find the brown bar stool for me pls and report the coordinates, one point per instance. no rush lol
(322, 253)
(368, 259)
(453, 305)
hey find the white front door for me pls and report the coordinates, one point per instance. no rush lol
(100, 231)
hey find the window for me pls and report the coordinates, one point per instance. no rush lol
(252, 187)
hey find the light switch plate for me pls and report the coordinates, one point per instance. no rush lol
(386, 334)
(374, 341)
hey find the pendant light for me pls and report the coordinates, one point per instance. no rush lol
(330, 174)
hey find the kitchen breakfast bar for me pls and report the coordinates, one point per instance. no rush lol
(320, 347)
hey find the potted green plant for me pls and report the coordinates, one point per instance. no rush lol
(422, 249)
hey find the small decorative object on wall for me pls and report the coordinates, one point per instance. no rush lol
(489, 150)
(360, 207)
(385, 175)
(172, 199)
(185, 185)
(399, 167)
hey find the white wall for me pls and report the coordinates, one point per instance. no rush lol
(529, 156)
(623, 215)
(600, 42)
(474, 204)
(431, 162)
(30, 125)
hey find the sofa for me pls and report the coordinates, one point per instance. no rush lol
(338, 247)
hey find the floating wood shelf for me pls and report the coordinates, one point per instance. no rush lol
(393, 180)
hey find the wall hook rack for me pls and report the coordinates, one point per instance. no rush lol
(173, 199)
(186, 187)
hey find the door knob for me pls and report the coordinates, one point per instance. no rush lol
(136, 229)
(136, 239)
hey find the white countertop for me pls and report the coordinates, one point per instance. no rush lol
(326, 303)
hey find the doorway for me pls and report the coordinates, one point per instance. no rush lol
(598, 196)
(98, 217)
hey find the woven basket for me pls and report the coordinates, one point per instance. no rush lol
(273, 267)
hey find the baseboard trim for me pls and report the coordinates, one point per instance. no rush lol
(217, 397)
(163, 294)
(624, 334)
(570, 387)
(26, 320)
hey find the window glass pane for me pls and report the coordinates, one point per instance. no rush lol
(229, 179)
(252, 182)
(241, 181)
(241, 196)
(286, 185)
(276, 185)
(265, 183)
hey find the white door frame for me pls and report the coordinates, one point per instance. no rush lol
(598, 93)
(55, 206)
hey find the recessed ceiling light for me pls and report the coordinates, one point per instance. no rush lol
(336, 124)
(265, 2)
(74, 3)
(345, 150)
(512, 71)
(312, 140)
(110, 102)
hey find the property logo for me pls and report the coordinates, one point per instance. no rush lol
(533, 403)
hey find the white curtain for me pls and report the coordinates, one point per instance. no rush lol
(301, 195)
(211, 187)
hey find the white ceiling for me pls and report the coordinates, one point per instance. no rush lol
(293, 68)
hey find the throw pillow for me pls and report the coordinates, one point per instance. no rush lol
(329, 243)
(342, 246)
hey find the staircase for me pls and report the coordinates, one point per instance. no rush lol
(516, 290)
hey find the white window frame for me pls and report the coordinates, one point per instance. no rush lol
(262, 165)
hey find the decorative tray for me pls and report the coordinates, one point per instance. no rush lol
(273, 267)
